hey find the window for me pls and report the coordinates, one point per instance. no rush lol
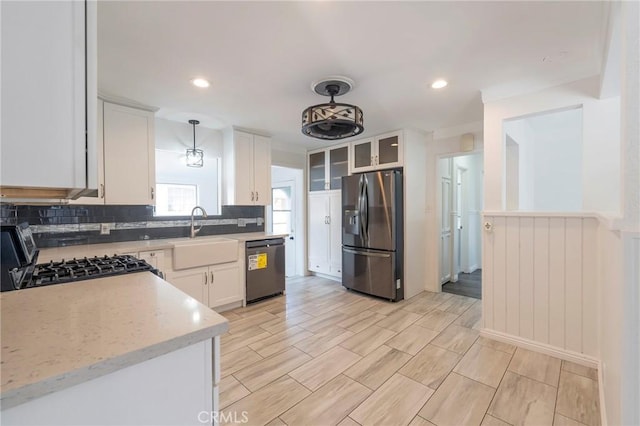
(175, 199)
(203, 183)
(281, 203)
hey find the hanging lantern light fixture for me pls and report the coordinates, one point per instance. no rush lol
(195, 157)
(332, 121)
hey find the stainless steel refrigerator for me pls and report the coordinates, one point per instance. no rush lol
(372, 233)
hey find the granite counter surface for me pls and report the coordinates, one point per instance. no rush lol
(58, 336)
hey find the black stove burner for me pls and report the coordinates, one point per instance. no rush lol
(83, 269)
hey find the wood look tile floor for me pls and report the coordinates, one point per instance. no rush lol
(322, 355)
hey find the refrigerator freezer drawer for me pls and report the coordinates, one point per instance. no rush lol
(370, 272)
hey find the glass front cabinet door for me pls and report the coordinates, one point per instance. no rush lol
(327, 166)
(317, 171)
(362, 155)
(338, 166)
(389, 149)
(381, 152)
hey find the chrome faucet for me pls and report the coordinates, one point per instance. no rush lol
(195, 231)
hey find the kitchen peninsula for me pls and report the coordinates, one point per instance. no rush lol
(129, 349)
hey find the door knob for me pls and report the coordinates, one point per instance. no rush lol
(291, 238)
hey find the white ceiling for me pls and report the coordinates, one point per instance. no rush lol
(261, 58)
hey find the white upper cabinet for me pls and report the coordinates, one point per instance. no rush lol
(129, 155)
(380, 152)
(126, 156)
(247, 169)
(327, 166)
(48, 98)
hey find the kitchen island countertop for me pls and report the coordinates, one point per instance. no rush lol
(55, 337)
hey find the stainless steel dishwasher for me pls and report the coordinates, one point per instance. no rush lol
(264, 268)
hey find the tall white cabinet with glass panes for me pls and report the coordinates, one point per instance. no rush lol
(326, 168)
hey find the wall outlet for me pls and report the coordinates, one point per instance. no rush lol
(105, 229)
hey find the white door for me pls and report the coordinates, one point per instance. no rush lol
(319, 232)
(456, 219)
(284, 219)
(445, 230)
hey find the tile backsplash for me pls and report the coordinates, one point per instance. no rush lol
(59, 226)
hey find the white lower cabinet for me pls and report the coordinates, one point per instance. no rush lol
(224, 285)
(154, 258)
(325, 232)
(191, 281)
(213, 286)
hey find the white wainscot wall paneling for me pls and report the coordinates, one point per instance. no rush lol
(539, 278)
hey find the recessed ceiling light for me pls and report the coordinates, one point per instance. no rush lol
(439, 84)
(200, 82)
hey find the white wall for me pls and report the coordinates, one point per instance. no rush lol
(601, 156)
(288, 155)
(445, 142)
(614, 141)
(620, 246)
(176, 136)
(549, 164)
(557, 160)
(598, 115)
(520, 134)
(172, 140)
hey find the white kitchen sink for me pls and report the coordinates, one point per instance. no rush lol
(192, 254)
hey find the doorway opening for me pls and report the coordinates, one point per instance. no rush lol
(460, 199)
(285, 215)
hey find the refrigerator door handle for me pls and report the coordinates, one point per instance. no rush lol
(366, 253)
(365, 210)
(360, 207)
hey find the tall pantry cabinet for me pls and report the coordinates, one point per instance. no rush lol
(326, 168)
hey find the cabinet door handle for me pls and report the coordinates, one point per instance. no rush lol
(377, 160)
(257, 196)
(212, 278)
(102, 190)
(251, 195)
(206, 277)
(372, 163)
(328, 220)
(152, 254)
(152, 193)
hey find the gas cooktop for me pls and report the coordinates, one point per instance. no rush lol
(86, 268)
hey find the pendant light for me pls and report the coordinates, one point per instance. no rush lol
(332, 121)
(195, 157)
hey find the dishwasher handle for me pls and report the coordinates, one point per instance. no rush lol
(265, 243)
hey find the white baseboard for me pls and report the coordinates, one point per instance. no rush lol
(329, 277)
(471, 269)
(564, 354)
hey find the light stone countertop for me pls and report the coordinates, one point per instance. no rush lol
(90, 250)
(61, 335)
